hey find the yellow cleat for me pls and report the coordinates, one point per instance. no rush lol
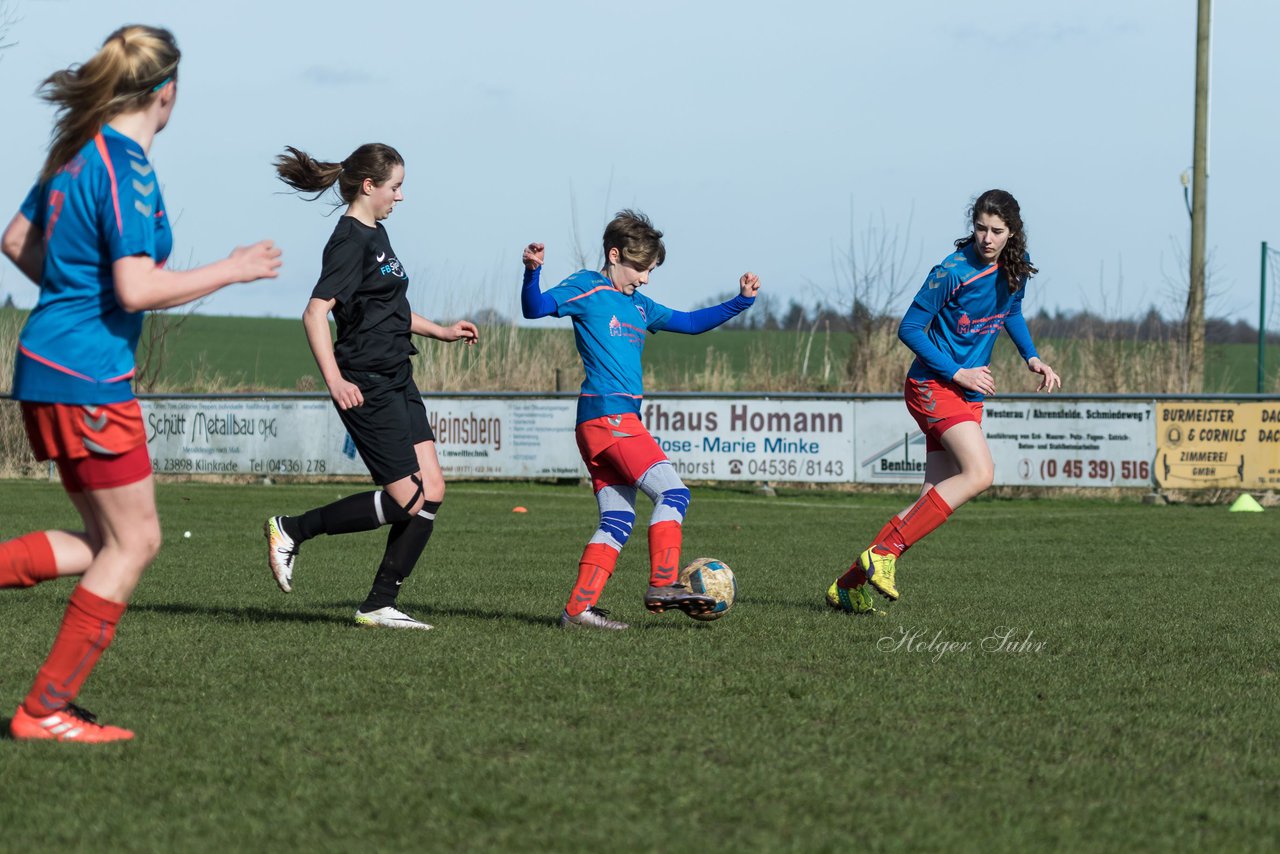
(852, 600)
(880, 570)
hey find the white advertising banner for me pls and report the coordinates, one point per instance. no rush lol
(1043, 442)
(477, 438)
(1055, 442)
(256, 437)
(889, 446)
(1049, 442)
(800, 440)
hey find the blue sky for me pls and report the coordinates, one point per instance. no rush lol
(758, 135)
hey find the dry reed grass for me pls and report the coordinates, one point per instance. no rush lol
(802, 360)
(508, 359)
(512, 358)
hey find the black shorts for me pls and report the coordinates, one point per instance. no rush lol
(389, 424)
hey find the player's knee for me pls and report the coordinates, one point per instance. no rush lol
(432, 485)
(983, 475)
(394, 512)
(617, 525)
(93, 539)
(412, 507)
(142, 542)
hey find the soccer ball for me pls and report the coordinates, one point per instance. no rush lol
(715, 579)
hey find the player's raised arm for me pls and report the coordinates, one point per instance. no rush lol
(533, 302)
(533, 255)
(705, 319)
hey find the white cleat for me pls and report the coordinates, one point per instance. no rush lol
(389, 618)
(592, 618)
(281, 550)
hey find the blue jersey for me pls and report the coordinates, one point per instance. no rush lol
(955, 318)
(609, 328)
(78, 344)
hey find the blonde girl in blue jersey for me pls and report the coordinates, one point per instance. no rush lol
(951, 327)
(94, 235)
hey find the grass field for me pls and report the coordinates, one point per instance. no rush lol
(1147, 719)
(272, 353)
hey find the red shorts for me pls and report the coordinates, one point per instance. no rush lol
(95, 446)
(617, 450)
(937, 407)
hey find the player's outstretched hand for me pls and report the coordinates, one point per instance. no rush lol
(749, 284)
(346, 395)
(463, 330)
(976, 379)
(1049, 379)
(259, 261)
(533, 255)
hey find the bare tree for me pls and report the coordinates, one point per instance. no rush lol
(871, 280)
(7, 19)
(580, 255)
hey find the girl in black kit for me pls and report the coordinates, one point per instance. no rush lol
(370, 378)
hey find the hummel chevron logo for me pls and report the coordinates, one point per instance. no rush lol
(143, 169)
(144, 189)
(95, 420)
(145, 210)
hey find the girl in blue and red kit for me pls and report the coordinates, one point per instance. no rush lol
(951, 327)
(94, 236)
(610, 320)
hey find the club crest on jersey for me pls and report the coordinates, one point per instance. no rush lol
(615, 326)
(964, 324)
(392, 268)
(643, 316)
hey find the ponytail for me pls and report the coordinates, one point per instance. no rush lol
(305, 174)
(132, 65)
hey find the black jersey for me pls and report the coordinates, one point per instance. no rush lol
(362, 274)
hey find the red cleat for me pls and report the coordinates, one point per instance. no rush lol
(70, 724)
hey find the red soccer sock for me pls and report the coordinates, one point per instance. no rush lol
(923, 517)
(27, 560)
(665, 539)
(87, 630)
(595, 567)
(856, 576)
(901, 533)
(890, 539)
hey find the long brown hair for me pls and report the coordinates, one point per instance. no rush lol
(132, 65)
(306, 174)
(1013, 259)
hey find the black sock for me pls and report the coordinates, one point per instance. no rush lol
(405, 543)
(344, 516)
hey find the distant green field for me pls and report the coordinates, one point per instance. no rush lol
(272, 354)
(1070, 675)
